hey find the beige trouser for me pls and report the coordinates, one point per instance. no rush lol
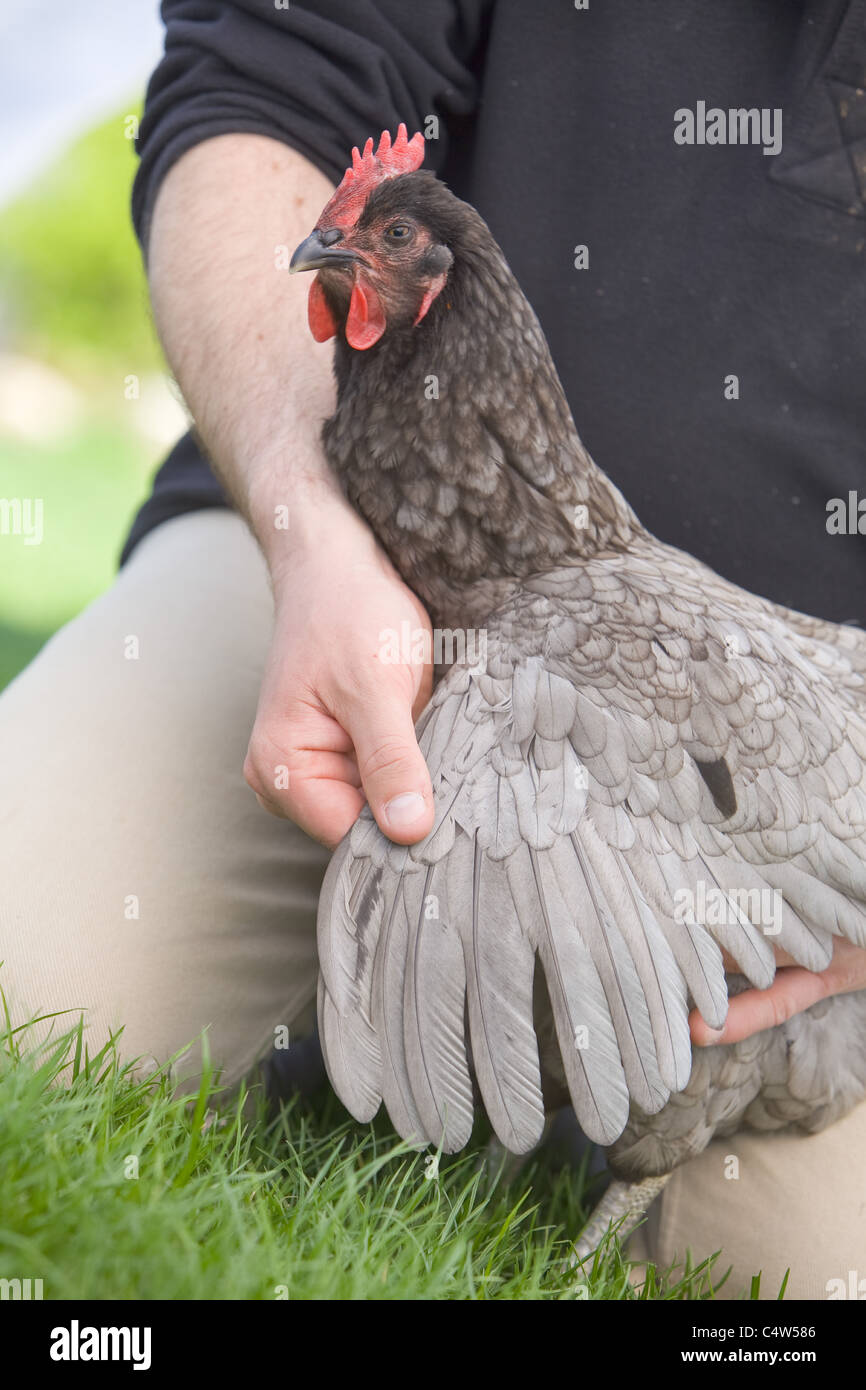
(141, 884)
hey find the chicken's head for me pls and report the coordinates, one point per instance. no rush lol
(376, 246)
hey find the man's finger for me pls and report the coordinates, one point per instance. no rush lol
(792, 991)
(325, 809)
(393, 772)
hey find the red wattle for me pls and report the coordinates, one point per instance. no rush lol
(319, 316)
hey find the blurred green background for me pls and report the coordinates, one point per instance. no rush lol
(86, 408)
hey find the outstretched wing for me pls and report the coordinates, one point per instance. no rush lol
(644, 768)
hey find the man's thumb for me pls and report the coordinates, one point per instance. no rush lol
(393, 772)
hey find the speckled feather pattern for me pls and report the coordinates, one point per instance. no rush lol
(638, 729)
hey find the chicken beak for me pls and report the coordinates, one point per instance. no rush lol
(322, 251)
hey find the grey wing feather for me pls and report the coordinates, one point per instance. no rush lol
(499, 976)
(611, 759)
(389, 979)
(350, 907)
(584, 1026)
(434, 1001)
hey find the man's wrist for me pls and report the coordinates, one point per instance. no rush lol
(301, 517)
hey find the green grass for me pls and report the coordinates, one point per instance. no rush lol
(231, 1201)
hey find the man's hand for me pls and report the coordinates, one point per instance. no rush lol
(793, 990)
(335, 720)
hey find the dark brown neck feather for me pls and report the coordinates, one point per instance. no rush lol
(455, 441)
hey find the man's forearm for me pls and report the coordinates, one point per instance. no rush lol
(233, 325)
(235, 333)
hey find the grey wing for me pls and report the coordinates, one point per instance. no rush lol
(626, 786)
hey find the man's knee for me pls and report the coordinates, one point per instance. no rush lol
(769, 1203)
(141, 883)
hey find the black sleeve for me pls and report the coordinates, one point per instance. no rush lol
(322, 76)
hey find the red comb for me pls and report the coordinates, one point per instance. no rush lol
(368, 170)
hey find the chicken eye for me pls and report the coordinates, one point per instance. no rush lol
(399, 231)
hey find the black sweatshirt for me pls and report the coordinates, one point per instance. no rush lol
(713, 350)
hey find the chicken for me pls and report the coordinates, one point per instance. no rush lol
(647, 765)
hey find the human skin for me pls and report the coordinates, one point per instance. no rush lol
(793, 990)
(333, 721)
